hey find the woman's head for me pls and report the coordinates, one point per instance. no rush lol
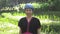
(28, 9)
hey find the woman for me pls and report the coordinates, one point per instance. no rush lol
(29, 24)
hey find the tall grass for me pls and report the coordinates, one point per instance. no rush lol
(8, 21)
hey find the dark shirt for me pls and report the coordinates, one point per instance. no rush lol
(33, 26)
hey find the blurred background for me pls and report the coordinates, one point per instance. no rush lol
(47, 11)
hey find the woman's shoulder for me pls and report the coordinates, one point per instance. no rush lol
(22, 18)
(35, 18)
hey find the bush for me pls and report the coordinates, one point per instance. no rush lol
(55, 27)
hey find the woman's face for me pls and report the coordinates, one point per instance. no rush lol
(28, 11)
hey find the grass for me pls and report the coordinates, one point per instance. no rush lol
(9, 22)
(50, 20)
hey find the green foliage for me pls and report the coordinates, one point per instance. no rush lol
(51, 27)
(50, 23)
(46, 11)
(8, 28)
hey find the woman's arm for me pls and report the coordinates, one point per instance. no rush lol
(38, 26)
(20, 31)
(20, 25)
(39, 31)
